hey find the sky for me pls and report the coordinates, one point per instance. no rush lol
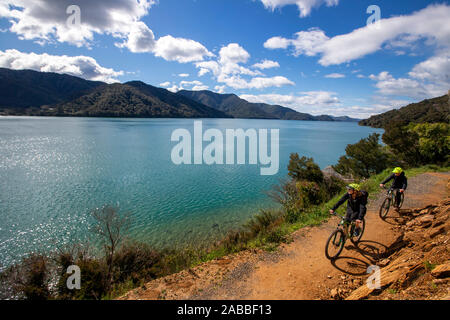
(315, 56)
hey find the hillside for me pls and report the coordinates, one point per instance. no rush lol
(240, 108)
(27, 88)
(429, 110)
(134, 99)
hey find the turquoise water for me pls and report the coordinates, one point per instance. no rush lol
(54, 171)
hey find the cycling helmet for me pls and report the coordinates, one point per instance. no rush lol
(397, 170)
(354, 186)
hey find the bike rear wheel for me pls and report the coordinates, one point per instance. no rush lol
(385, 206)
(361, 231)
(335, 244)
(402, 198)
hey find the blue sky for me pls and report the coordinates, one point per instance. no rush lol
(315, 56)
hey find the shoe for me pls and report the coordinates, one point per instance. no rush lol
(356, 232)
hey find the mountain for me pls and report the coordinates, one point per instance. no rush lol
(345, 119)
(50, 94)
(27, 92)
(135, 99)
(27, 88)
(428, 110)
(240, 108)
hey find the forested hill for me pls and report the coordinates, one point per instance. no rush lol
(28, 88)
(429, 110)
(240, 108)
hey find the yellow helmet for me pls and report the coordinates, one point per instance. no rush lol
(354, 186)
(397, 170)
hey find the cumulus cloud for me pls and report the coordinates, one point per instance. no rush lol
(227, 69)
(335, 75)
(305, 42)
(304, 6)
(183, 75)
(194, 85)
(46, 21)
(427, 79)
(140, 38)
(266, 64)
(233, 53)
(180, 49)
(220, 89)
(306, 100)
(165, 84)
(400, 31)
(80, 66)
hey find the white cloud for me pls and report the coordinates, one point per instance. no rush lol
(165, 84)
(306, 42)
(430, 24)
(44, 21)
(335, 75)
(80, 66)
(236, 82)
(180, 49)
(183, 75)
(229, 71)
(194, 85)
(436, 69)
(233, 53)
(266, 64)
(220, 89)
(427, 79)
(140, 38)
(309, 101)
(304, 6)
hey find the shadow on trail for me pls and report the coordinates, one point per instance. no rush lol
(371, 250)
(351, 265)
(396, 218)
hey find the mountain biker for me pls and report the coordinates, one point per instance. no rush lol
(356, 205)
(399, 185)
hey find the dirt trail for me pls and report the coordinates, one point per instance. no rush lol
(298, 270)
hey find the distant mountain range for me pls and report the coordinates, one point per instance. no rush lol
(27, 92)
(240, 108)
(428, 110)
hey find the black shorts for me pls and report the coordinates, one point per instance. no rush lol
(351, 216)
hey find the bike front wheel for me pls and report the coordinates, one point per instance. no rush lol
(335, 244)
(384, 209)
(355, 239)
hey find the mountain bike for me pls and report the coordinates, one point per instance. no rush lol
(345, 230)
(390, 201)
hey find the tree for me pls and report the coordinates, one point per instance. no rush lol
(433, 141)
(418, 144)
(363, 158)
(111, 226)
(402, 144)
(304, 169)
